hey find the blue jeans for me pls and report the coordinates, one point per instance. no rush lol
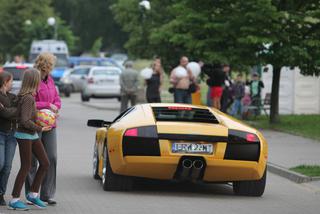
(8, 145)
(182, 96)
(236, 107)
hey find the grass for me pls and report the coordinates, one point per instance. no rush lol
(307, 170)
(302, 125)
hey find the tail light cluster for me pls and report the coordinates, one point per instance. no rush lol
(91, 80)
(236, 136)
(142, 141)
(242, 146)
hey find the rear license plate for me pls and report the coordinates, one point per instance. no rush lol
(195, 148)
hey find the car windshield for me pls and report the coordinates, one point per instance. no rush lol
(17, 72)
(107, 63)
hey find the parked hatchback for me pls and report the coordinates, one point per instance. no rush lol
(102, 82)
(17, 72)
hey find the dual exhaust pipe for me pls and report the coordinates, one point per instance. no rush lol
(191, 169)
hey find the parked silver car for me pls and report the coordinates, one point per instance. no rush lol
(76, 77)
(102, 82)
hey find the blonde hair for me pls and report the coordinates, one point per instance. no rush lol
(30, 82)
(45, 62)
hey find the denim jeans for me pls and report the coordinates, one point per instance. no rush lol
(236, 107)
(8, 145)
(182, 96)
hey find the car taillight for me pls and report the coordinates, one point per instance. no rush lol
(21, 67)
(181, 108)
(141, 141)
(251, 138)
(90, 80)
(236, 136)
(131, 132)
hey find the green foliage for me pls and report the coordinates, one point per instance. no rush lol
(312, 171)
(96, 47)
(90, 20)
(225, 31)
(16, 34)
(303, 125)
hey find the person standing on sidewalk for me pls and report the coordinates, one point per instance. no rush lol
(129, 81)
(181, 78)
(256, 86)
(47, 97)
(29, 143)
(238, 93)
(8, 143)
(154, 83)
(226, 99)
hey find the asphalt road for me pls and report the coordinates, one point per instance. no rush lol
(78, 192)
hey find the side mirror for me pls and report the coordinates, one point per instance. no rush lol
(98, 123)
(83, 77)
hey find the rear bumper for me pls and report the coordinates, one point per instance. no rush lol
(218, 167)
(102, 92)
(215, 171)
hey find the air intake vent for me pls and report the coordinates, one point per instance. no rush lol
(184, 114)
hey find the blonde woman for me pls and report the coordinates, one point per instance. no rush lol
(29, 143)
(46, 97)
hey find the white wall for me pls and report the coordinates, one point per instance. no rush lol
(298, 94)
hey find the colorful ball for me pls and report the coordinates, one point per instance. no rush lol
(45, 118)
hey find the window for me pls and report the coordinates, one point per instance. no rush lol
(80, 71)
(108, 72)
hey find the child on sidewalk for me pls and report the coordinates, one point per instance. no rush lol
(8, 142)
(29, 143)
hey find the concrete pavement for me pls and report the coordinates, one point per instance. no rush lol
(78, 192)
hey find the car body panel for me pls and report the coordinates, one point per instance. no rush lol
(218, 169)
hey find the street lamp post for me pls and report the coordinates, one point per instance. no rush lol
(144, 6)
(52, 22)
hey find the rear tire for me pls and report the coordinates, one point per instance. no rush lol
(250, 188)
(84, 98)
(95, 163)
(111, 181)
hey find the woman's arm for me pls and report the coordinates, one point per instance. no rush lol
(57, 99)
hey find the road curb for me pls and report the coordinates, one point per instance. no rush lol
(286, 173)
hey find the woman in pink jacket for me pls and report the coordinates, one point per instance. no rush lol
(47, 97)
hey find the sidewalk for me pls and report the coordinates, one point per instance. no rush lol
(286, 151)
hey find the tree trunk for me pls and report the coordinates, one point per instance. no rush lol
(274, 109)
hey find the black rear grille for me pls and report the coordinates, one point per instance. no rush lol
(140, 146)
(184, 114)
(242, 151)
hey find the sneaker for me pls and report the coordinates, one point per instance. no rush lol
(50, 201)
(36, 202)
(18, 205)
(2, 201)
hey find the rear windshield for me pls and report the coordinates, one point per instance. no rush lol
(80, 71)
(183, 114)
(105, 72)
(16, 72)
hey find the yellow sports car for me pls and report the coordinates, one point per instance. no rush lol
(179, 142)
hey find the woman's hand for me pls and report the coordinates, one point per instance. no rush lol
(54, 108)
(46, 128)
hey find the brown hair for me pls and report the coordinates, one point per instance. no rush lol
(45, 62)
(30, 81)
(4, 78)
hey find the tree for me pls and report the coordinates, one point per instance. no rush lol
(23, 21)
(242, 33)
(90, 20)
